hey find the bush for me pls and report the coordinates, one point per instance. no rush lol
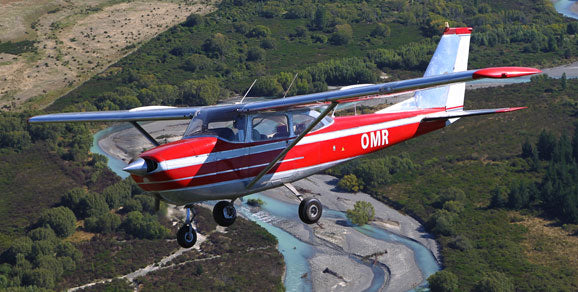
(255, 54)
(255, 202)
(92, 205)
(105, 223)
(361, 213)
(443, 281)
(42, 233)
(60, 219)
(144, 226)
(494, 282)
(350, 183)
(194, 20)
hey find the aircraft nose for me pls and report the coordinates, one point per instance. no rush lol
(138, 167)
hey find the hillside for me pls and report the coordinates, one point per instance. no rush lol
(49, 47)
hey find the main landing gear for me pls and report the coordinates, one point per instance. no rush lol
(187, 236)
(310, 209)
(224, 213)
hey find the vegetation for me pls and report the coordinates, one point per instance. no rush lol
(472, 187)
(17, 48)
(255, 202)
(465, 184)
(444, 281)
(362, 213)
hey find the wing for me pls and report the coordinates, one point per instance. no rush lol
(152, 113)
(355, 93)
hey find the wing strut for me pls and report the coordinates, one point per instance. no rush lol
(145, 133)
(290, 146)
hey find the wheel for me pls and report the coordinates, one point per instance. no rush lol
(310, 210)
(224, 213)
(186, 236)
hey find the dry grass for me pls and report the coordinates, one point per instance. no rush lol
(76, 40)
(547, 244)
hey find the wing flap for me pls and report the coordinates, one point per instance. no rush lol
(468, 113)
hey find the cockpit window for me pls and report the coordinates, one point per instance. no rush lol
(227, 126)
(271, 126)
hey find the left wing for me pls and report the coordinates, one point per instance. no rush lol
(350, 94)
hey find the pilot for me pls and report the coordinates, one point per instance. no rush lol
(239, 125)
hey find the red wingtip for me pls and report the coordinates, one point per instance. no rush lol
(511, 109)
(505, 72)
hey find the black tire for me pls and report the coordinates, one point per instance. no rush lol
(310, 210)
(186, 239)
(224, 213)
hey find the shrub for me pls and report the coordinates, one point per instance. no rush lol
(361, 213)
(144, 226)
(350, 183)
(60, 219)
(443, 281)
(105, 223)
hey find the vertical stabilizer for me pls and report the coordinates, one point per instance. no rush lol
(451, 55)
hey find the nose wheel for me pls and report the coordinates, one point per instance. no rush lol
(224, 213)
(310, 210)
(187, 236)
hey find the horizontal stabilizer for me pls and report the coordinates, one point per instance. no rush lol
(459, 114)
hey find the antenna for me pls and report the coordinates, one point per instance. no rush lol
(247, 91)
(289, 88)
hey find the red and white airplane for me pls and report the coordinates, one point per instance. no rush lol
(230, 151)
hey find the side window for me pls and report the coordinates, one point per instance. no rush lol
(269, 127)
(301, 121)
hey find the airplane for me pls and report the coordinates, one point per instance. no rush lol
(233, 150)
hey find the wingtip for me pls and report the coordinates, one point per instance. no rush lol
(505, 72)
(512, 109)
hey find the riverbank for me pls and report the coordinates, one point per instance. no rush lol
(336, 241)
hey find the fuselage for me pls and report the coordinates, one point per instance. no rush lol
(212, 168)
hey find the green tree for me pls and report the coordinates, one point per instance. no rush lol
(194, 20)
(342, 36)
(350, 183)
(92, 205)
(494, 282)
(443, 281)
(105, 223)
(201, 92)
(362, 213)
(60, 219)
(545, 145)
(144, 226)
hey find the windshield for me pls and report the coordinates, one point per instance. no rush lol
(226, 125)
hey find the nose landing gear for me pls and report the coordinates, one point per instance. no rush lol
(187, 236)
(224, 213)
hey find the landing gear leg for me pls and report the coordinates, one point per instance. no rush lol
(310, 209)
(224, 213)
(187, 236)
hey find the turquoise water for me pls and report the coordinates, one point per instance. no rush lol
(115, 164)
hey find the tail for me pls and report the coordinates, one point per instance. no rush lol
(451, 55)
